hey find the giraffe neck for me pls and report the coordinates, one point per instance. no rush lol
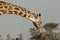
(8, 8)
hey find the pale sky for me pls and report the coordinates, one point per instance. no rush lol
(15, 24)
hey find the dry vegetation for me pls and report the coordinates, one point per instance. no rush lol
(47, 35)
(44, 36)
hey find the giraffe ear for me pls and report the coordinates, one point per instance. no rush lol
(39, 14)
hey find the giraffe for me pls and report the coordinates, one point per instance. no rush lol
(8, 8)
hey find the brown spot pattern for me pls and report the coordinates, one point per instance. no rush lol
(15, 12)
(5, 7)
(29, 16)
(20, 13)
(2, 11)
(1, 6)
(16, 8)
(28, 12)
(10, 12)
(24, 15)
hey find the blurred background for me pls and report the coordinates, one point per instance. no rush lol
(13, 24)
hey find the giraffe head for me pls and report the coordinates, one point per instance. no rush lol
(38, 21)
